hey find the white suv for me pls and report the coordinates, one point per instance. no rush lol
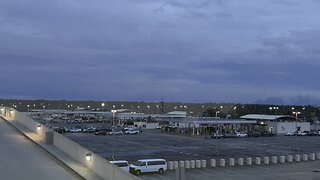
(148, 165)
(240, 134)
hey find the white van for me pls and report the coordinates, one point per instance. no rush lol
(148, 165)
(124, 165)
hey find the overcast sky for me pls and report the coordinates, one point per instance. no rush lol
(242, 51)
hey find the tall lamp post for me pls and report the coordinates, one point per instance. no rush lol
(113, 114)
(216, 141)
(296, 114)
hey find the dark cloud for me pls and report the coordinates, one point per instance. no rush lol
(179, 50)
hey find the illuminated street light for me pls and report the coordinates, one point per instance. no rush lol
(103, 104)
(296, 145)
(217, 113)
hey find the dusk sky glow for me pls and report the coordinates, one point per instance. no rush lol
(241, 51)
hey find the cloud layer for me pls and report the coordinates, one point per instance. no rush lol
(176, 50)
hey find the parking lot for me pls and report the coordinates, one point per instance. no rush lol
(293, 171)
(170, 146)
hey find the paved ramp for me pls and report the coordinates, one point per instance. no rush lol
(21, 159)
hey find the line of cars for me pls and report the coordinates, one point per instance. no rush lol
(242, 134)
(142, 166)
(304, 133)
(118, 130)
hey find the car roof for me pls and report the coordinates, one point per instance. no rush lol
(119, 161)
(151, 160)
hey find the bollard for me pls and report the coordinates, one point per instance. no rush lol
(181, 163)
(187, 164)
(312, 156)
(297, 158)
(282, 159)
(192, 164)
(266, 160)
(170, 165)
(240, 161)
(318, 156)
(175, 164)
(305, 157)
(249, 161)
(290, 158)
(203, 163)
(231, 162)
(213, 163)
(274, 159)
(222, 162)
(198, 164)
(258, 160)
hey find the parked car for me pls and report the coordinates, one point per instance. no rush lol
(122, 164)
(267, 134)
(75, 130)
(173, 126)
(229, 135)
(132, 132)
(301, 133)
(254, 134)
(103, 132)
(60, 130)
(89, 130)
(313, 133)
(290, 134)
(217, 136)
(148, 165)
(241, 134)
(117, 132)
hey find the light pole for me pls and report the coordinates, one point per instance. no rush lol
(217, 113)
(296, 113)
(113, 113)
(216, 134)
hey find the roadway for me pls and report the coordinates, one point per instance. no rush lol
(22, 159)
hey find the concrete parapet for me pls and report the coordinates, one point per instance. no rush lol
(175, 164)
(187, 164)
(274, 159)
(249, 161)
(170, 165)
(266, 160)
(222, 162)
(198, 164)
(203, 163)
(312, 156)
(258, 160)
(305, 157)
(213, 163)
(282, 159)
(297, 158)
(240, 161)
(231, 162)
(181, 163)
(290, 158)
(193, 164)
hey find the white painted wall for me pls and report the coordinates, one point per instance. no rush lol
(285, 127)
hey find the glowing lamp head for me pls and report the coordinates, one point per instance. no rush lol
(88, 156)
(38, 127)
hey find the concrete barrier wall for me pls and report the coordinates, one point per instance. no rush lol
(99, 165)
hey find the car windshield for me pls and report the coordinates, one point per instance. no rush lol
(137, 163)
